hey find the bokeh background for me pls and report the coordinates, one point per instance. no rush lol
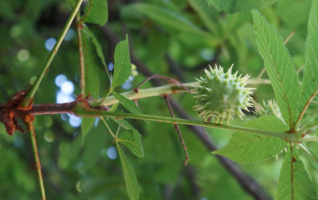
(174, 38)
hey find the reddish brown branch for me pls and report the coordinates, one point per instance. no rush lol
(178, 131)
(162, 77)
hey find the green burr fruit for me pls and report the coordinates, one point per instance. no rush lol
(222, 96)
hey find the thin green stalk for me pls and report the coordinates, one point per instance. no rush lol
(80, 50)
(36, 158)
(117, 131)
(301, 115)
(257, 81)
(304, 129)
(305, 150)
(300, 69)
(111, 132)
(261, 73)
(26, 101)
(308, 138)
(81, 111)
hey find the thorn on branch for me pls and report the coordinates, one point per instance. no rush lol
(161, 77)
(178, 131)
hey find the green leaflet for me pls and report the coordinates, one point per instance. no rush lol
(129, 174)
(132, 140)
(122, 65)
(122, 123)
(98, 48)
(93, 144)
(312, 161)
(91, 77)
(249, 148)
(232, 6)
(114, 107)
(128, 104)
(310, 79)
(294, 182)
(167, 18)
(279, 66)
(96, 12)
(86, 125)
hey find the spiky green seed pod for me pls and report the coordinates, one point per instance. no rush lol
(271, 109)
(222, 96)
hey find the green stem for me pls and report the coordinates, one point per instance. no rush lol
(80, 110)
(256, 81)
(261, 73)
(117, 131)
(305, 150)
(30, 95)
(304, 129)
(308, 138)
(111, 132)
(80, 50)
(297, 123)
(36, 158)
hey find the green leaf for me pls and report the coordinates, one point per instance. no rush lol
(232, 6)
(207, 15)
(249, 148)
(294, 13)
(98, 48)
(91, 77)
(86, 125)
(122, 63)
(312, 161)
(96, 12)
(294, 182)
(128, 104)
(310, 79)
(167, 18)
(93, 145)
(122, 123)
(279, 66)
(91, 70)
(132, 140)
(114, 107)
(129, 174)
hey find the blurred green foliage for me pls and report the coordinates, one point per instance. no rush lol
(193, 35)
